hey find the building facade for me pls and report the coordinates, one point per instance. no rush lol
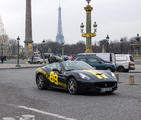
(136, 47)
(4, 45)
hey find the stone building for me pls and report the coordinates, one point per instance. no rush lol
(4, 45)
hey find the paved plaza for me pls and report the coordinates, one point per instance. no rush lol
(19, 96)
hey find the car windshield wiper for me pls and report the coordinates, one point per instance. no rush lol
(70, 70)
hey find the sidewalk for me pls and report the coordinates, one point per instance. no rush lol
(13, 66)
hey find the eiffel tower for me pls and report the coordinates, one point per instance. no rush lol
(60, 37)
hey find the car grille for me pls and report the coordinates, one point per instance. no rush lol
(105, 84)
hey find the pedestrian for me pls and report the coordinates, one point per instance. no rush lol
(2, 59)
(32, 59)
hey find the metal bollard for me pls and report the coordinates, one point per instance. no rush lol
(8, 118)
(117, 76)
(28, 117)
(131, 80)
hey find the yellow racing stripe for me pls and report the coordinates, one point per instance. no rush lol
(97, 74)
(104, 76)
(94, 73)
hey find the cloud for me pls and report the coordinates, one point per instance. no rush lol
(118, 18)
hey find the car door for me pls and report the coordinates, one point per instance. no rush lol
(95, 62)
(56, 76)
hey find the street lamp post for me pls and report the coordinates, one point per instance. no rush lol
(138, 39)
(121, 47)
(2, 45)
(18, 65)
(63, 51)
(2, 52)
(88, 35)
(108, 47)
(43, 51)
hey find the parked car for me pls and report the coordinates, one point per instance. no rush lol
(54, 58)
(35, 60)
(110, 57)
(124, 62)
(95, 61)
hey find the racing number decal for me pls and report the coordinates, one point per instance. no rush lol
(54, 78)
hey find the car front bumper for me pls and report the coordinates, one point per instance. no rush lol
(98, 86)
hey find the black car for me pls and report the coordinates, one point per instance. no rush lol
(75, 76)
(95, 61)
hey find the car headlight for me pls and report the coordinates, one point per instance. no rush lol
(113, 75)
(83, 76)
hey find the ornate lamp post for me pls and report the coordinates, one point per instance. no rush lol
(108, 47)
(88, 35)
(43, 51)
(18, 65)
(63, 51)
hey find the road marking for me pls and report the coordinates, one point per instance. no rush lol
(46, 113)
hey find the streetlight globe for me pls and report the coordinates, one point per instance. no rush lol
(18, 38)
(82, 27)
(107, 37)
(95, 25)
(121, 40)
(138, 37)
(43, 41)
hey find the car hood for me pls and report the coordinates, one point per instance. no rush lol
(97, 75)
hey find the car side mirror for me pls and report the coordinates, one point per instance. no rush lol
(56, 70)
(100, 62)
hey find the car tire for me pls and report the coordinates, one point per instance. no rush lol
(72, 86)
(127, 70)
(41, 82)
(121, 69)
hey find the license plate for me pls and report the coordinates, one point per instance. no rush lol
(106, 89)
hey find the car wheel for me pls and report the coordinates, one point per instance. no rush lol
(41, 82)
(120, 69)
(72, 86)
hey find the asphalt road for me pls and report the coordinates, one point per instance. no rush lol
(138, 61)
(19, 95)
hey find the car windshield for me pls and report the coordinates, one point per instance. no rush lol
(76, 65)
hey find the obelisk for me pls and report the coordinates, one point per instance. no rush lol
(28, 31)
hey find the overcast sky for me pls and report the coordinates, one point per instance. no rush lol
(118, 18)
